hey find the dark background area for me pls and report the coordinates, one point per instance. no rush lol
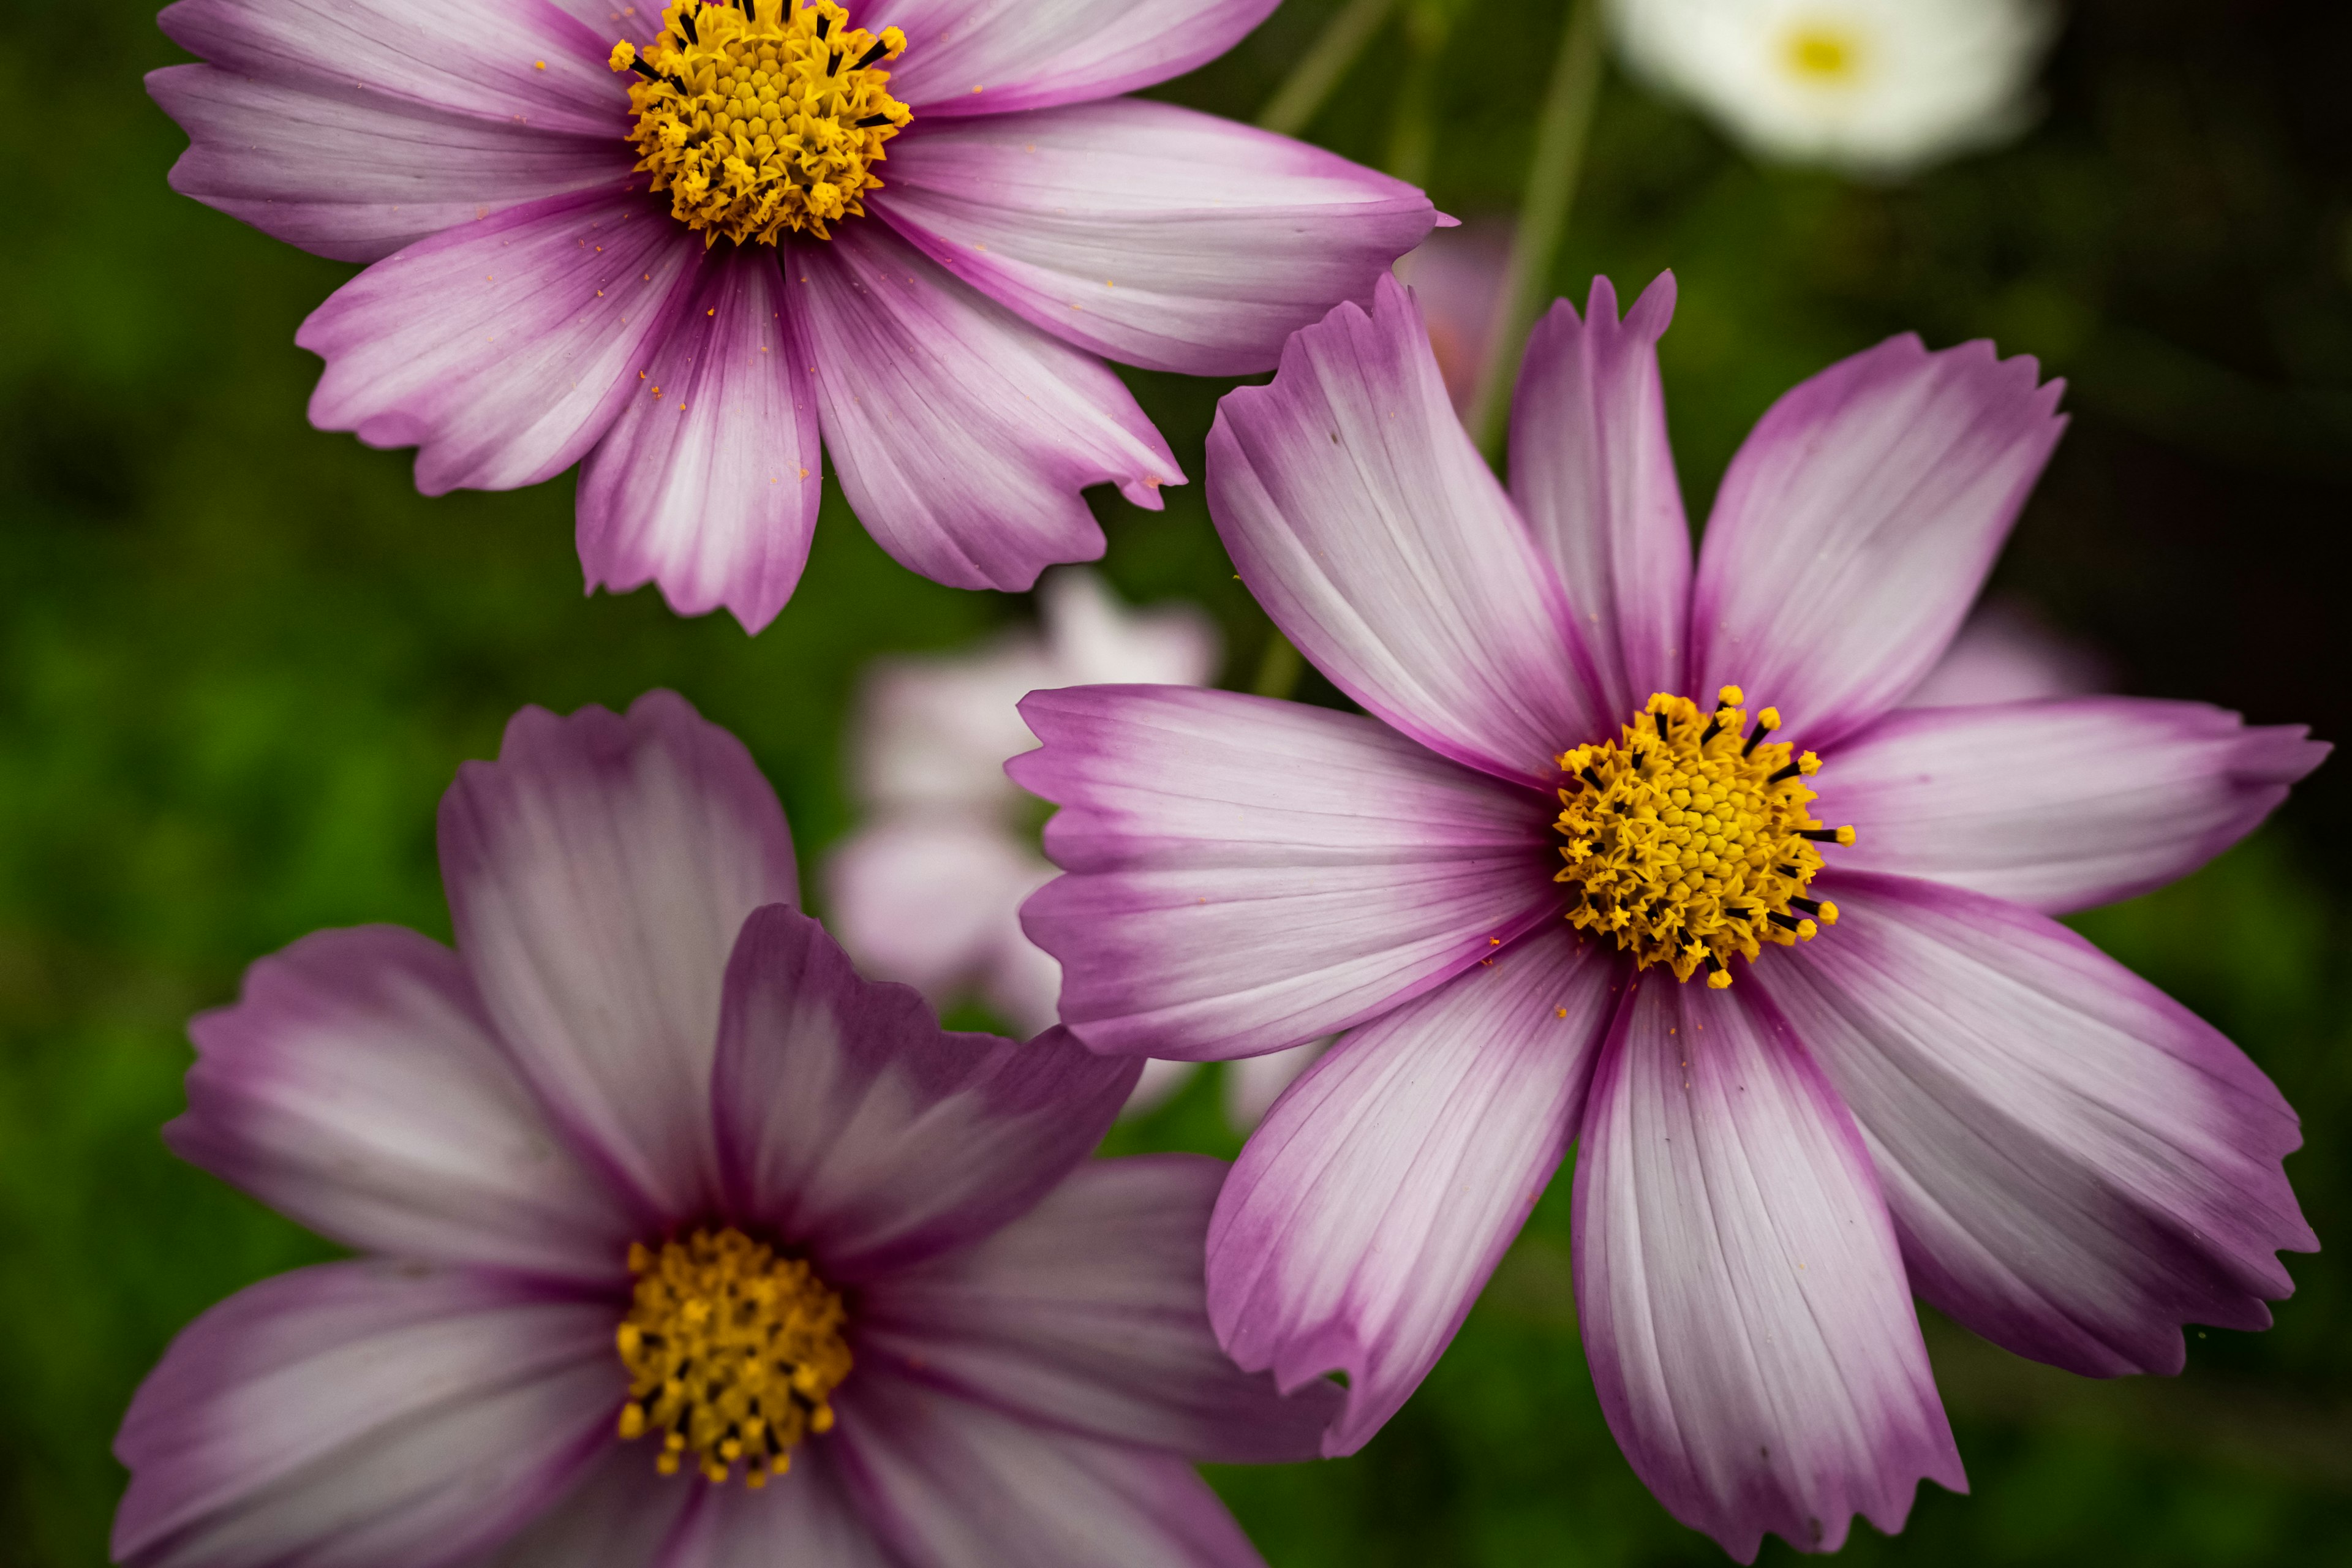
(240, 659)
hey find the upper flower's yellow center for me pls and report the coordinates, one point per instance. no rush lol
(1689, 841)
(1821, 55)
(732, 1351)
(764, 118)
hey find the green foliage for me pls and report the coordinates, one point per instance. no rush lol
(240, 658)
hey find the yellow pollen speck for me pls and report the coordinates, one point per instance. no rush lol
(1822, 55)
(1688, 839)
(731, 1354)
(539, 64)
(764, 118)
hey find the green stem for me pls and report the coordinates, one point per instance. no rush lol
(1310, 82)
(1561, 135)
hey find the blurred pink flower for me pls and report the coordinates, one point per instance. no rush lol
(1497, 882)
(643, 1082)
(2004, 654)
(594, 237)
(1458, 276)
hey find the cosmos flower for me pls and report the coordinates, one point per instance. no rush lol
(663, 245)
(929, 890)
(1643, 857)
(1877, 86)
(1458, 275)
(679, 1243)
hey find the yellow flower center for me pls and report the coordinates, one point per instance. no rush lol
(762, 118)
(731, 1352)
(1821, 55)
(1688, 837)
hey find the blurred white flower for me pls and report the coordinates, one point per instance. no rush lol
(929, 890)
(1874, 87)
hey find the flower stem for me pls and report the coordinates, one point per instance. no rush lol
(1310, 82)
(1560, 137)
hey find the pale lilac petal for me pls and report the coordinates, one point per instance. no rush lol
(1154, 235)
(357, 1087)
(533, 66)
(1093, 639)
(805, 1519)
(1246, 874)
(502, 349)
(358, 180)
(931, 733)
(2004, 654)
(1254, 1083)
(1739, 1285)
(947, 1483)
(708, 481)
(1088, 1312)
(359, 1414)
(1856, 524)
(992, 57)
(2077, 1164)
(1593, 476)
(961, 435)
(1161, 1082)
(933, 902)
(1457, 276)
(1369, 1208)
(620, 1513)
(597, 873)
(1364, 521)
(2058, 805)
(850, 1124)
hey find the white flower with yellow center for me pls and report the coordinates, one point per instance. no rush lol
(1877, 86)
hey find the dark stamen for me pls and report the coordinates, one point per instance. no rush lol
(686, 25)
(1790, 872)
(1791, 771)
(1811, 906)
(646, 71)
(833, 66)
(1786, 923)
(1819, 835)
(823, 23)
(872, 121)
(1713, 965)
(870, 56)
(1661, 718)
(1714, 727)
(1755, 737)
(1588, 776)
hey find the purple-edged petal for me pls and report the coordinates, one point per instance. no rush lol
(527, 64)
(1154, 235)
(805, 1519)
(1742, 1298)
(357, 1087)
(1246, 874)
(598, 873)
(2057, 805)
(368, 1411)
(708, 481)
(620, 1513)
(2004, 654)
(1593, 476)
(2077, 1164)
(357, 181)
(502, 349)
(1088, 1312)
(992, 57)
(960, 434)
(947, 1483)
(1364, 521)
(1856, 524)
(851, 1125)
(1366, 1213)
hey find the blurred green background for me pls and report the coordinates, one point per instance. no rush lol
(239, 660)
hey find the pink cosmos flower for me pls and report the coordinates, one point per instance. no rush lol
(681, 1244)
(663, 242)
(928, 892)
(1900, 1075)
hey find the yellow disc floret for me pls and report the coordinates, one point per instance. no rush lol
(1689, 840)
(763, 115)
(731, 1352)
